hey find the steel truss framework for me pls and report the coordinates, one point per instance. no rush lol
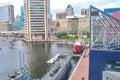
(105, 30)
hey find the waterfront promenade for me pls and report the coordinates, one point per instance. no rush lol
(82, 69)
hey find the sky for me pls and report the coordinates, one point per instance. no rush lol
(55, 4)
(62, 4)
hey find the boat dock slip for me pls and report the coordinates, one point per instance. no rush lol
(59, 71)
(52, 60)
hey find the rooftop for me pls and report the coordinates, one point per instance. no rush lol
(116, 15)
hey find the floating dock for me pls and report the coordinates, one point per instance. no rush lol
(61, 70)
(52, 60)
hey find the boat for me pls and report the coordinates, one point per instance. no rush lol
(78, 47)
(22, 74)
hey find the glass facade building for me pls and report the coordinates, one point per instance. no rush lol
(69, 10)
(18, 25)
(105, 31)
(7, 13)
(22, 14)
(37, 19)
(105, 44)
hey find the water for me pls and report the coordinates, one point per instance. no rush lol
(39, 53)
(35, 55)
(9, 58)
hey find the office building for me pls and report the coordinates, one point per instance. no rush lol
(85, 12)
(61, 15)
(69, 10)
(83, 28)
(19, 21)
(7, 13)
(37, 20)
(22, 15)
(5, 26)
(17, 18)
(69, 24)
(75, 25)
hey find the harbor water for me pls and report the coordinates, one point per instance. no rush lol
(34, 55)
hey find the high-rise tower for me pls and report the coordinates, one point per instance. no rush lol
(37, 19)
(7, 13)
(69, 10)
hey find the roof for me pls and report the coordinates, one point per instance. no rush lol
(69, 6)
(116, 15)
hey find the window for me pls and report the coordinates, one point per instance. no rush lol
(108, 78)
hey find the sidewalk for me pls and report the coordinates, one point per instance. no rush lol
(82, 69)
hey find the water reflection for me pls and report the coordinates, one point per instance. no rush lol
(35, 56)
(39, 53)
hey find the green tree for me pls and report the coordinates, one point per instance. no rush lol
(88, 34)
(69, 37)
(61, 34)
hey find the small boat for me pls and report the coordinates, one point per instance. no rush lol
(21, 75)
(78, 47)
(0, 48)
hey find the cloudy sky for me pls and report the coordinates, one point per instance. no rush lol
(62, 4)
(55, 4)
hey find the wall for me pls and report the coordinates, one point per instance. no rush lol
(97, 62)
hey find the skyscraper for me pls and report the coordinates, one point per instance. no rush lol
(69, 10)
(7, 13)
(22, 15)
(37, 19)
(85, 12)
(19, 23)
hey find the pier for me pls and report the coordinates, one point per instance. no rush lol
(82, 68)
(52, 60)
(59, 71)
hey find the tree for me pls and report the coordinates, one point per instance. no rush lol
(61, 34)
(88, 34)
(71, 37)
